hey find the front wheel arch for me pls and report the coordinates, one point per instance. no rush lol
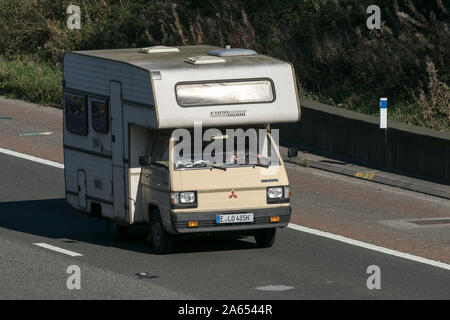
(161, 240)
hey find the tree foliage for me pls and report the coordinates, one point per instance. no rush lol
(337, 58)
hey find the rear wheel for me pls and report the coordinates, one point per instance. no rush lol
(117, 231)
(162, 241)
(265, 238)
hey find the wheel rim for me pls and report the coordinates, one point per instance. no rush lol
(157, 232)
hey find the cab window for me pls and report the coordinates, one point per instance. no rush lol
(160, 152)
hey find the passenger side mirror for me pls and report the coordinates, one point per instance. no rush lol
(144, 161)
(292, 152)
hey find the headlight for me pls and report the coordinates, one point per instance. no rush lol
(187, 197)
(278, 194)
(275, 193)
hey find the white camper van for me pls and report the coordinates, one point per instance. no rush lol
(121, 110)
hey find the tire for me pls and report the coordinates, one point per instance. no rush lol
(117, 231)
(162, 241)
(265, 238)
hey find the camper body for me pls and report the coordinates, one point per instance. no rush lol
(121, 108)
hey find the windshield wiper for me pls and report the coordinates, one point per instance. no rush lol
(181, 164)
(259, 164)
(210, 165)
(216, 166)
(200, 163)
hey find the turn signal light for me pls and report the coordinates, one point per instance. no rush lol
(274, 219)
(192, 224)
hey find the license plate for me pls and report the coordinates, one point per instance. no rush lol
(234, 218)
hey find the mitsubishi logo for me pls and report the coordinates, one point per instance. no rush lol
(232, 195)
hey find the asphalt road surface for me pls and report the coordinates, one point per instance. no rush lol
(301, 265)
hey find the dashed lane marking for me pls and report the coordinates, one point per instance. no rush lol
(57, 249)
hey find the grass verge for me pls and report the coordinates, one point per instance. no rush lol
(24, 77)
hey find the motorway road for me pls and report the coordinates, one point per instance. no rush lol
(301, 265)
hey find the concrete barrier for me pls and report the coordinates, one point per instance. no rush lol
(346, 135)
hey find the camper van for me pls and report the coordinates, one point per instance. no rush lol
(128, 111)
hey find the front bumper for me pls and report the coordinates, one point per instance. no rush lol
(207, 220)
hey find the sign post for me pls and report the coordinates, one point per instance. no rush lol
(383, 117)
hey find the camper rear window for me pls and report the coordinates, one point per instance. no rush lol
(99, 115)
(190, 94)
(76, 114)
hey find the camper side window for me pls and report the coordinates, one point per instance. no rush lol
(76, 114)
(99, 115)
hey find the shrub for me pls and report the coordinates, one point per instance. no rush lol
(337, 59)
(27, 79)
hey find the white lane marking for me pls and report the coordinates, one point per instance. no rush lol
(274, 288)
(29, 134)
(32, 158)
(57, 249)
(369, 246)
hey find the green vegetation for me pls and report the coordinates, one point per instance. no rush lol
(337, 59)
(27, 79)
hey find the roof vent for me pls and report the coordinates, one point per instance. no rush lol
(228, 52)
(205, 60)
(159, 49)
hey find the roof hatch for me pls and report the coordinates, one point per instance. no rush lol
(159, 49)
(205, 60)
(227, 52)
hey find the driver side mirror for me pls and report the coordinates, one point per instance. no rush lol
(144, 161)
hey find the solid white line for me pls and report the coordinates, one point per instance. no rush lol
(32, 158)
(369, 246)
(50, 247)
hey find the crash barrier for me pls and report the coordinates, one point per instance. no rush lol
(346, 135)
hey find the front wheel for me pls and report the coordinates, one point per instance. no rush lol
(162, 241)
(265, 238)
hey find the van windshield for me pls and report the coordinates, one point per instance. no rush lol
(224, 149)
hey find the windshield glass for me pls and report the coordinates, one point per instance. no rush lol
(223, 148)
